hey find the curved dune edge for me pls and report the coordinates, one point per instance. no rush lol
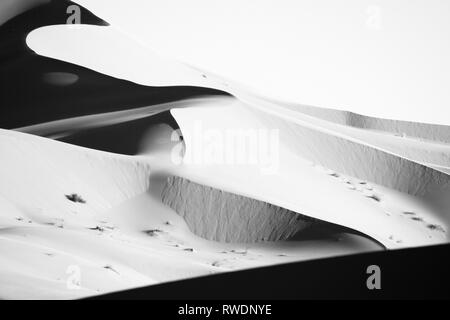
(120, 236)
(400, 186)
(37, 169)
(66, 207)
(134, 57)
(225, 217)
(101, 38)
(57, 90)
(400, 128)
(429, 153)
(317, 174)
(432, 177)
(229, 107)
(419, 142)
(358, 159)
(68, 127)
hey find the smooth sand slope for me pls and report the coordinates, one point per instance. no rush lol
(175, 73)
(165, 172)
(56, 90)
(410, 140)
(303, 184)
(426, 131)
(119, 236)
(226, 217)
(353, 152)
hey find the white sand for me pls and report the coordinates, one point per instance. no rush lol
(303, 185)
(361, 177)
(46, 239)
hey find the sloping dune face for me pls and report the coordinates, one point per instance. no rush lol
(314, 171)
(375, 154)
(76, 222)
(359, 159)
(426, 131)
(41, 173)
(226, 217)
(165, 172)
(57, 90)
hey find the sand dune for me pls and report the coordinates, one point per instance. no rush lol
(163, 171)
(45, 176)
(360, 159)
(119, 237)
(410, 140)
(57, 90)
(109, 37)
(120, 132)
(303, 182)
(426, 131)
(412, 147)
(343, 148)
(221, 216)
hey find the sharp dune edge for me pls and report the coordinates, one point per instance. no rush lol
(104, 36)
(360, 159)
(222, 216)
(429, 152)
(29, 163)
(121, 237)
(426, 131)
(407, 137)
(302, 184)
(107, 204)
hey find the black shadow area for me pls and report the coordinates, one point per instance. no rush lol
(417, 273)
(36, 89)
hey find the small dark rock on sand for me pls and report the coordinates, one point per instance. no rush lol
(75, 198)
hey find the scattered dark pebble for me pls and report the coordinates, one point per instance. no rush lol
(97, 228)
(334, 174)
(435, 227)
(374, 197)
(239, 252)
(75, 198)
(153, 232)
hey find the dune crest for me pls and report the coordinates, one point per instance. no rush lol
(120, 168)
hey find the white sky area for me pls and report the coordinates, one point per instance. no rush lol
(382, 58)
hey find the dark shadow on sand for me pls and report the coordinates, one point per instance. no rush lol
(36, 89)
(122, 138)
(416, 273)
